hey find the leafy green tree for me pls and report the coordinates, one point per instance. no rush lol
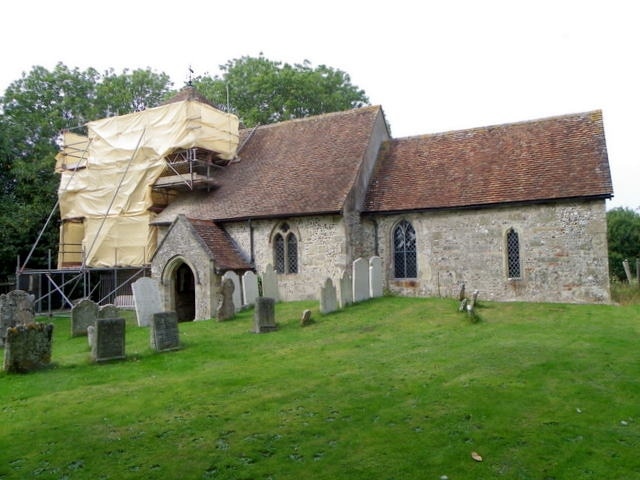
(34, 110)
(262, 91)
(623, 235)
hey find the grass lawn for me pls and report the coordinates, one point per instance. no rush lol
(392, 388)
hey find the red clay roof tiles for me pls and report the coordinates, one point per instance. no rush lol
(552, 158)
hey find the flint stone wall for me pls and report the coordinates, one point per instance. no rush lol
(563, 252)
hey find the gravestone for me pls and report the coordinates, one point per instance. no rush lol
(270, 283)
(375, 277)
(91, 335)
(346, 289)
(226, 309)
(249, 288)
(360, 280)
(306, 318)
(27, 347)
(474, 298)
(164, 331)
(264, 315)
(328, 298)
(108, 343)
(461, 294)
(108, 311)
(83, 314)
(16, 308)
(147, 300)
(237, 291)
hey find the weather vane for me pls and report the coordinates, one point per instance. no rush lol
(190, 82)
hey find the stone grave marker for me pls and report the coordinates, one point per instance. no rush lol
(375, 277)
(226, 309)
(328, 297)
(108, 343)
(147, 300)
(360, 280)
(249, 288)
(91, 335)
(237, 291)
(264, 315)
(16, 308)
(346, 289)
(28, 347)
(164, 332)
(270, 283)
(83, 314)
(306, 318)
(108, 311)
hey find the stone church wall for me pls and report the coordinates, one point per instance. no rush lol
(563, 252)
(321, 251)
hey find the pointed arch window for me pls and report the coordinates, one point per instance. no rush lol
(285, 250)
(404, 251)
(513, 254)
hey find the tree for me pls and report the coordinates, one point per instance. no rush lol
(34, 110)
(623, 236)
(262, 91)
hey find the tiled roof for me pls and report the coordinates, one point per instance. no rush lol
(223, 250)
(553, 158)
(188, 93)
(297, 167)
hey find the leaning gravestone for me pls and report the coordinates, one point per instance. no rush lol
(164, 332)
(360, 280)
(270, 283)
(249, 288)
(83, 314)
(237, 292)
(226, 309)
(346, 290)
(328, 297)
(375, 277)
(108, 342)
(147, 300)
(28, 347)
(306, 318)
(264, 315)
(16, 308)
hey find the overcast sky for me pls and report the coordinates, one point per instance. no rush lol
(433, 65)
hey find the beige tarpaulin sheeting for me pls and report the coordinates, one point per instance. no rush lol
(106, 177)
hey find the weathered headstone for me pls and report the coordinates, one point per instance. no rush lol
(264, 315)
(16, 308)
(463, 305)
(237, 291)
(270, 283)
(109, 340)
(164, 331)
(627, 269)
(108, 311)
(375, 277)
(346, 289)
(306, 318)
(249, 288)
(91, 335)
(226, 309)
(147, 300)
(83, 314)
(328, 297)
(28, 347)
(474, 298)
(360, 280)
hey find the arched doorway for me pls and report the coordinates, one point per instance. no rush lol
(185, 293)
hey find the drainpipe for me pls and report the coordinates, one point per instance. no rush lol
(375, 237)
(251, 242)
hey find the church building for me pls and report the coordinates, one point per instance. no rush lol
(516, 211)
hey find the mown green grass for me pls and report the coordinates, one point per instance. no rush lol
(392, 388)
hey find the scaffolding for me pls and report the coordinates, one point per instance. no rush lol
(113, 182)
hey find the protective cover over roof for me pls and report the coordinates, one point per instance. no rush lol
(106, 177)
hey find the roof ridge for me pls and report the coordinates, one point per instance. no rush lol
(596, 112)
